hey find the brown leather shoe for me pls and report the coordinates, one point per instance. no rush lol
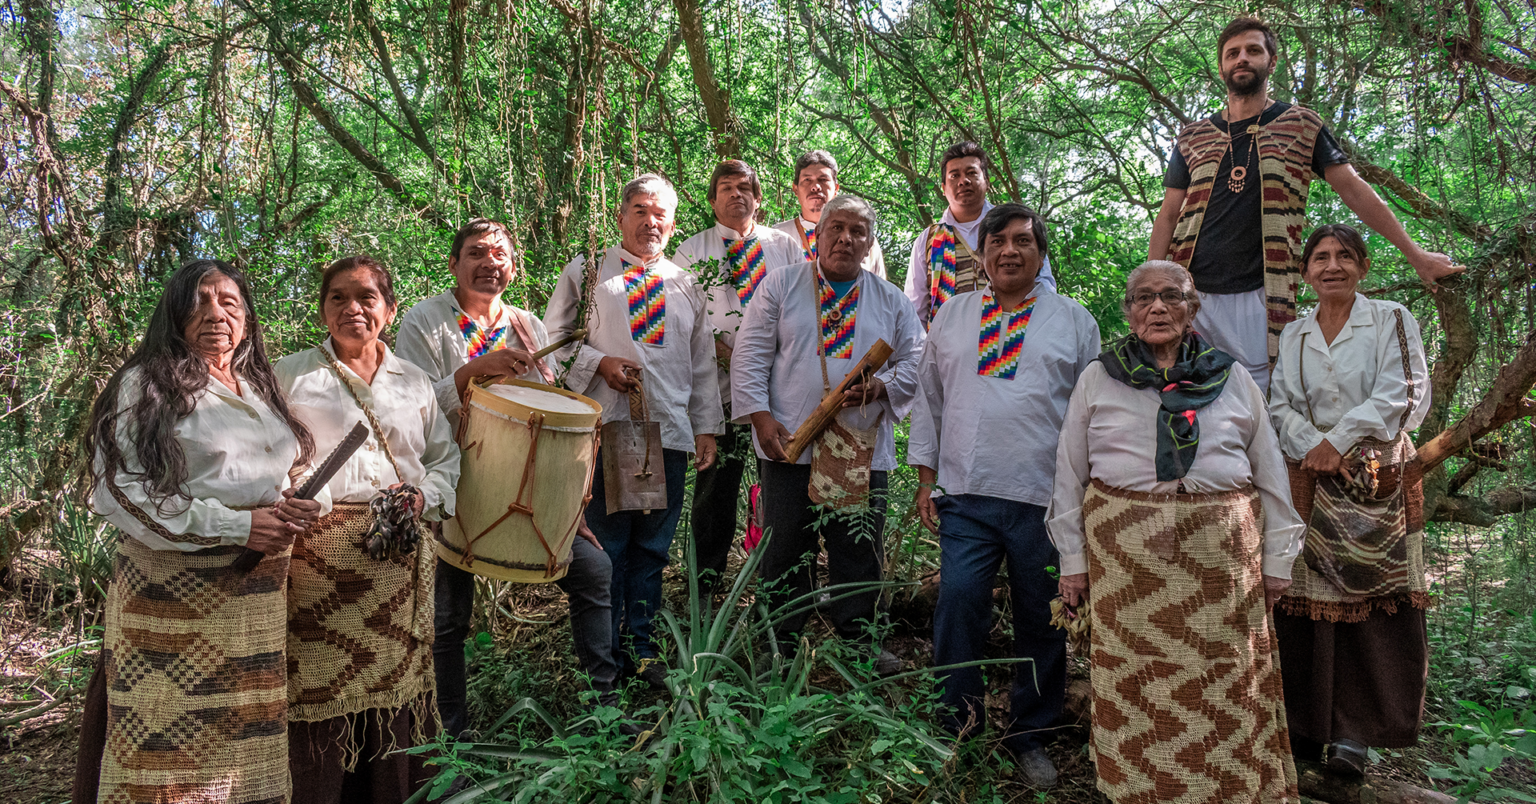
(1348, 758)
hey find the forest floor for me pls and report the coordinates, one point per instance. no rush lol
(40, 661)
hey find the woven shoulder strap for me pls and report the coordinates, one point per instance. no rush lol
(373, 421)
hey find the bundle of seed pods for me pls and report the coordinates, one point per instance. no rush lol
(394, 532)
(1073, 620)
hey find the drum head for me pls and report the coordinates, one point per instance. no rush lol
(539, 399)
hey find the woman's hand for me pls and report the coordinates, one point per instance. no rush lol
(418, 501)
(271, 535)
(1274, 588)
(1323, 459)
(1074, 588)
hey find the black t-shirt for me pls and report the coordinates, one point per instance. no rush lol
(1229, 256)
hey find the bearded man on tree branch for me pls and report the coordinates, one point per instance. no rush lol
(1235, 198)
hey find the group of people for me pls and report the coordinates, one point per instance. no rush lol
(1173, 496)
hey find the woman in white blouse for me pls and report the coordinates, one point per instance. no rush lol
(360, 678)
(1173, 517)
(1350, 384)
(193, 445)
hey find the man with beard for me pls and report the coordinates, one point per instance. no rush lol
(647, 331)
(815, 185)
(1235, 199)
(729, 259)
(944, 262)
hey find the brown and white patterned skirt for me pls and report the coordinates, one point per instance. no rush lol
(197, 711)
(359, 630)
(1188, 705)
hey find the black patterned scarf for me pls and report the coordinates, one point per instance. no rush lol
(1191, 383)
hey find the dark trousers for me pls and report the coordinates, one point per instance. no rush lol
(976, 534)
(854, 553)
(317, 752)
(586, 586)
(715, 493)
(638, 544)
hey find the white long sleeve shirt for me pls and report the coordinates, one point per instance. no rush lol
(986, 434)
(681, 390)
(917, 269)
(405, 404)
(776, 367)
(238, 453)
(1110, 434)
(723, 304)
(804, 232)
(432, 339)
(1356, 385)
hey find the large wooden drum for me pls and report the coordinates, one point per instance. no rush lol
(529, 451)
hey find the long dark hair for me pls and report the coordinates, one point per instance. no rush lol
(172, 377)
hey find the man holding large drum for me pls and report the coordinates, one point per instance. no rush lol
(469, 332)
(649, 359)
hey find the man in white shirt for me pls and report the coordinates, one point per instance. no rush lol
(996, 374)
(729, 260)
(648, 330)
(944, 261)
(807, 327)
(455, 336)
(815, 185)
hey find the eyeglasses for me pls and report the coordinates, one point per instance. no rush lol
(1145, 298)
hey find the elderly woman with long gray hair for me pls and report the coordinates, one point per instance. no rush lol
(194, 446)
(1172, 513)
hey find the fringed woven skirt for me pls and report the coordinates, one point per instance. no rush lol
(196, 708)
(1188, 704)
(360, 677)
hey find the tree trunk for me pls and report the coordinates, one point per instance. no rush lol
(717, 102)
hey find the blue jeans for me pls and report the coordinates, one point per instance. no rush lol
(638, 545)
(976, 534)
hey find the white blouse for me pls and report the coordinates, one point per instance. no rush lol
(800, 230)
(681, 390)
(430, 339)
(1356, 385)
(777, 369)
(405, 405)
(1110, 434)
(238, 453)
(724, 304)
(995, 436)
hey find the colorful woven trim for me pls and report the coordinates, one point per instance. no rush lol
(1002, 337)
(478, 340)
(748, 266)
(941, 265)
(838, 317)
(809, 245)
(647, 304)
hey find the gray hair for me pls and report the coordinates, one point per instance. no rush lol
(845, 202)
(1179, 273)
(649, 184)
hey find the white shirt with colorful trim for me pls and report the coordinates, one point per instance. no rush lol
(988, 417)
(804, 232)
(776, 367)
(917, 288)
(669, 337)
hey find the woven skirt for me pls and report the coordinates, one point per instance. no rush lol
(359, 631)
(196, 705)
(1188, 705)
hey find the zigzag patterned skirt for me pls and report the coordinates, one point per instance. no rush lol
(359, 630)
(196, 705)
(1188, 705)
